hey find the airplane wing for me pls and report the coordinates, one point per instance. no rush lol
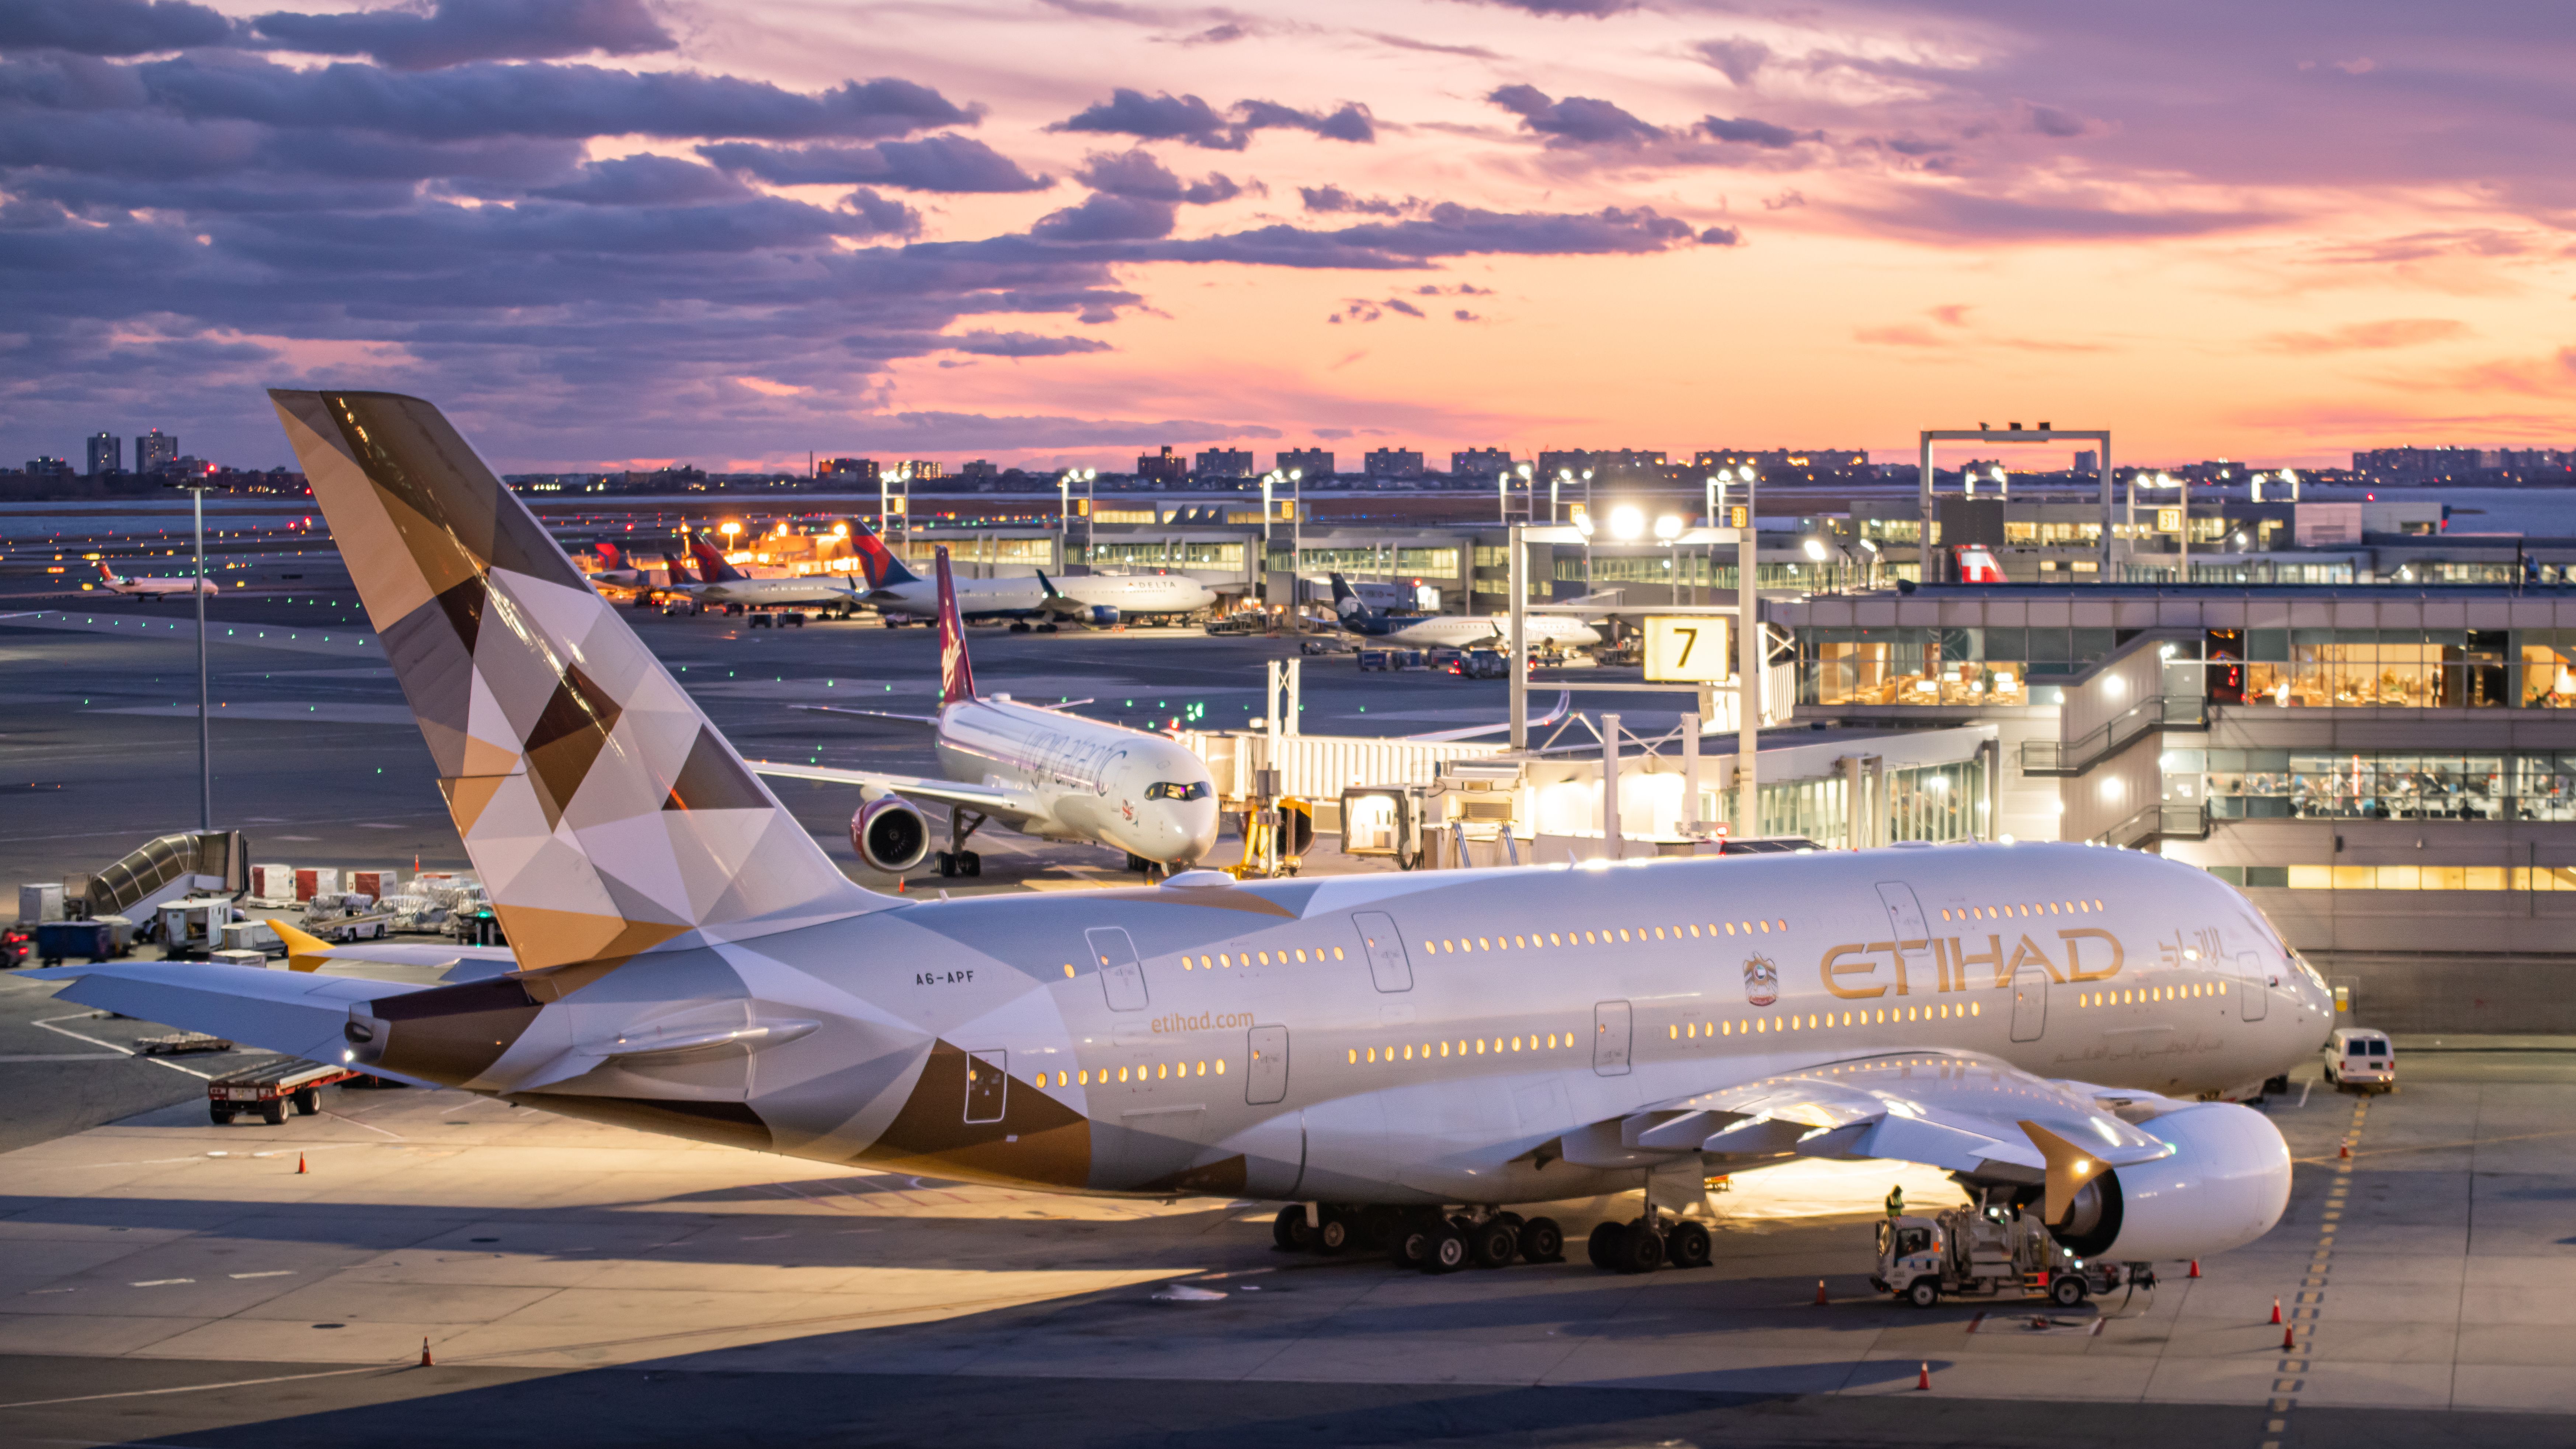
(298, 1013)
(1959, 1111)
(1002, 804)
(1564, 704)
(928, 719)
(1061, 704)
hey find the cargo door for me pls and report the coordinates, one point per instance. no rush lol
(1610, 1038)
(1122, 976)
(2030, 1003)
(1389, 966)
(1913, 934)
(2253, 986)
(1265, 1076)
(988, 1085)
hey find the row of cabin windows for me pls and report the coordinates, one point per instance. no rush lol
(1607, 937)
(1473, 1047)
(2135, 996)
(2032, 908)
(1818, 1021)
(1226, 960)
(1158, 1072)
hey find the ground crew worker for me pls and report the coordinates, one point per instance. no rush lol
(1896, 1200)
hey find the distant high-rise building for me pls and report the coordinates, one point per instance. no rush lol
(1767, 460)
(926, 470)
(106, 454)
(980, 470)
(2409, 465)
(1392, 463)
(1225, 463)
(1314, 463)
(154, 451)
(48, 468)
(2087, 461)
(860, 471)
(1480, 463)
(1163, 467)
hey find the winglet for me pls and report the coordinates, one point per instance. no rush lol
(2069, 1168)
(304, 952)
(956, 675)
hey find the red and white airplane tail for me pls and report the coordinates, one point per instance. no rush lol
(1977, 566)
(956, 675)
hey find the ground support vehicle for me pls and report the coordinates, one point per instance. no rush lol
(1991, 1251)
(268, 1089)
(2358, 1059)
(179, 1044)
(1481, 664)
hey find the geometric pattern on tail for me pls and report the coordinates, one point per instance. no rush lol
(603, 812)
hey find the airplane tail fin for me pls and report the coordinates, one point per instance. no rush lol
(610, 557)
(108, 575)
(712, 566)
(1346, 603)
(877, 562)
(605, 814)
(679, 569)
(956, 674)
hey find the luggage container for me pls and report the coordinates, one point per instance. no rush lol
(194, 927)
(85, 940)
(251, 936)
(254, 959)
(316, 881)
(39, 902)
(273, 882)
(376, 883)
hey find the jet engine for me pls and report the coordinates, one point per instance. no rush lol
(1099, 616)
(890, 833)
(2224, 1186)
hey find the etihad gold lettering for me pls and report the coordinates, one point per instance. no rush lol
(2075, 960)
(1834, 966)
(1899, 958)
(1901, 948)
(2028, 952)
(1960, 961)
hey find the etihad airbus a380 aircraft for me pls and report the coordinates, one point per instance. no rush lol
(2036, 1019)
(1037, 769)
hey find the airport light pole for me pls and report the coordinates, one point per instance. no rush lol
(1748, 671)
(196, 488)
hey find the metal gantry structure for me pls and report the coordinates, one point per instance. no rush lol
(2012, 433)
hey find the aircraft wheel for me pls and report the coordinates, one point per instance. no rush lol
(1542, 1241)
(1046, 628)
(969, 863)
(1604, 1245)
(1640, 1249)
(1494, 1243)
(1020, 626)
(1447, 1250)
(1687, 1246)
(1332, 1235)
(1410, 1246)
(1290, 1232)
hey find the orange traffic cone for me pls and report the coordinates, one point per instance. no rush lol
(2289, 1339)
(2345, 1150)
(299, 1164)
(2195, 1269)
(2276, 1310)
(424, 1355)
(1923, 1377)
(1820, 1293)
(898, 885)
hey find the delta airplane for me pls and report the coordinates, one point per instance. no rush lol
(719, 582)
(1034, 768)
(160, 588)
(2051, 1023)
(1095, 599)
(1455, 631)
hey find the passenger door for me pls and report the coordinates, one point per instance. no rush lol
(988, 1085)
(1389, 966)
(1122, 976)
(1265, 1076)
(1610, 1038)
(1913, 934)
(2030, 1003)
(2255, 998)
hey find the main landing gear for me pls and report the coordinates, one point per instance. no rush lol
(1425, 1239)
(1649, 1243)
(957, 859)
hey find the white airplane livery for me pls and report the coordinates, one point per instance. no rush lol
(2048, 1022)
(1039, 770)
(1452, 631)
(720, 582)
(1099, 600)
(158, 588)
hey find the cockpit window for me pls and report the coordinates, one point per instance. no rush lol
(1175, 790)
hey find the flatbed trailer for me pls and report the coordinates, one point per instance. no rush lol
(179, 1044)
(270, 1088)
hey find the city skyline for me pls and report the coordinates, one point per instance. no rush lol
(615, 235)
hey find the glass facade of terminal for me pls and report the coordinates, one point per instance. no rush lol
(2380, 784)
(1924, 802)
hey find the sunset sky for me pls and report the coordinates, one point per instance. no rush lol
(611, 231)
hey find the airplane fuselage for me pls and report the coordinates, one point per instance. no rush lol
(1252, 1039)
(776, 593)
(1021, 598)
(1094, 781)
(1459, 631)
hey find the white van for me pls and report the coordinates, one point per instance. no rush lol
(2360, 1060)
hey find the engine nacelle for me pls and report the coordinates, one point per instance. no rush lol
(1100, 616)
(890, 833)
(2225, 1185)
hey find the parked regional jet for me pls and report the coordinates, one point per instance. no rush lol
(1457, 631)
(719, 582)
(1412, 1052)
(160, 588)
(1036, 769)
(614, 567)
(1095, 599)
